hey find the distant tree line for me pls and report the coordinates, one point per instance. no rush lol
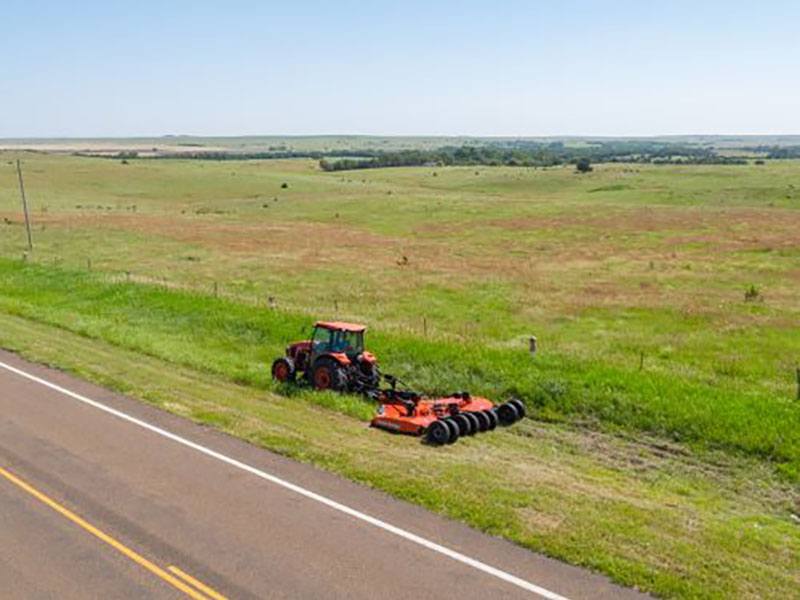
(777, 152)
(525, 153)
(534, 154)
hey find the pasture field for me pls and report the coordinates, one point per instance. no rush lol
(176, 144)
(666, 445)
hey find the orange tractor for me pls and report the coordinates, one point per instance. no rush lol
(335, 359)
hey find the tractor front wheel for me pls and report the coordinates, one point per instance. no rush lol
(283, 370)
(327, 374)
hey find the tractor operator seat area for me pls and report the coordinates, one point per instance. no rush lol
(326, 340)
(349, 342)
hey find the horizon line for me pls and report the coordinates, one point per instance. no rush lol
(395, 136)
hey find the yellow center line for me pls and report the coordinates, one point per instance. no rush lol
(196, 583)
(134, 556)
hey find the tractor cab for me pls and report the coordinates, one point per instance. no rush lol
(337, 338)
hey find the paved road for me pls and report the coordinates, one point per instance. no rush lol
(94, 505)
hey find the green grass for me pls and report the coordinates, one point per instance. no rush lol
(239, 341)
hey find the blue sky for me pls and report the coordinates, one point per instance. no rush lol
(405, 68)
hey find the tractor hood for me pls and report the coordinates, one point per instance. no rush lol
(296, 347)
(367, 357)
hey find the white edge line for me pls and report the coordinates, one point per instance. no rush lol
(407, 535)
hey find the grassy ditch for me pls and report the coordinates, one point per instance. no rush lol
(239, 341)
(644, 511)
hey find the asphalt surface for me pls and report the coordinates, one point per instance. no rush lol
(71, 473)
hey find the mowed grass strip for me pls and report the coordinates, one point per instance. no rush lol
(643, 511)
(239, 341)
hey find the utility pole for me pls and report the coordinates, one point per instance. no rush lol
(25, 206)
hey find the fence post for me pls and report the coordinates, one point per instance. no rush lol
(25, 207)
(798, 383)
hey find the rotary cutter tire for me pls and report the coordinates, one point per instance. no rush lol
(464, 424)
(451, 423)
(438, 433)
(507, 413)
(453, 429)
(520, 407)
(491, 414)
(476, 424)
(483, 420)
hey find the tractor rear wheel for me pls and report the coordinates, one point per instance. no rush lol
(327, 374)
(283, 370)
(370, 374)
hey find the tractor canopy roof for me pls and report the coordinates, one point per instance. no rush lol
(341, 326)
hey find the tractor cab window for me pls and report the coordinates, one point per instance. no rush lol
(349, 342)
(321, 341)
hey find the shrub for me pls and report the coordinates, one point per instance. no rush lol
(752, 293)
